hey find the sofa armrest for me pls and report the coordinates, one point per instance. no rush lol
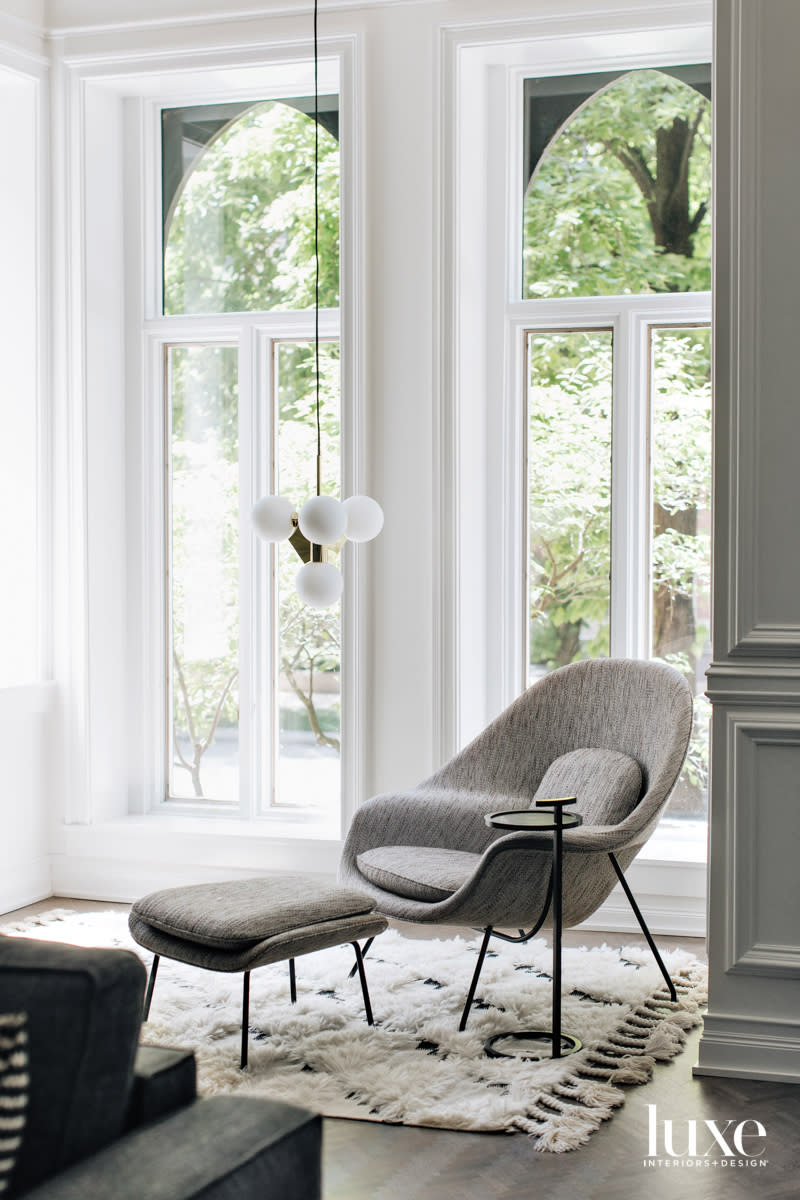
(223, 1148)
(164, 1080)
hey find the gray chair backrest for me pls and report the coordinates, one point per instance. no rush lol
(643, 709)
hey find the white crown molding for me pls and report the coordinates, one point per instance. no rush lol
(60, 27)
(22, 43)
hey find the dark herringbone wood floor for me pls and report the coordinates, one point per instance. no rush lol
(368, 1161)
(364, 1161)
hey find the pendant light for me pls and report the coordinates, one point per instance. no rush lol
(322, 520)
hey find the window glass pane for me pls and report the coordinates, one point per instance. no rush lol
(681, 541)
(618, 200)
(203, 572)
(238, 192)
(309, 639)
(569, 497)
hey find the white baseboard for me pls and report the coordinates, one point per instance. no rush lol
(667, 911)
(667, 918)
(123, 881)
(124, 861)
(25, 884)
(748, 1048)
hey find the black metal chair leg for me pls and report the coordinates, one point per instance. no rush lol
(487, 933)
(151, 982)
(292, 982)
(245, 1018)
(363, 977)
(354, 967)
(643, 927)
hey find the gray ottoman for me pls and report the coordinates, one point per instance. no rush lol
(246, 923)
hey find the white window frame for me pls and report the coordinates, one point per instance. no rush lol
(255, 337)
(482, 552)
(630, 320)
(110, 233)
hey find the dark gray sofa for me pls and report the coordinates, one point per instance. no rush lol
(85, 1112)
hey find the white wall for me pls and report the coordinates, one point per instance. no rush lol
(26, 704)
(754, 680)
(26, 730)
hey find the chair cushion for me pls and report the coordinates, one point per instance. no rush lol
(242, 912)
(607, 783)
(418, 872)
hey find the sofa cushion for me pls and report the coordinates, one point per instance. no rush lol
(164, 1080)
(418, 872)
(238, 913)
(607, 783)
(84, 1011)
(222, 1148)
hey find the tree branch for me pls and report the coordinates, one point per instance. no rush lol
(697, 219)
(313, 720)
(634, 163)
(185, 694)
(218, 713)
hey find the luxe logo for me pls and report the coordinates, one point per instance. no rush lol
(706, 1139)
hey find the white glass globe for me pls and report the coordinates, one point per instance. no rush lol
(319, 584)
(272, 518)
(322, 520)
(364, 518)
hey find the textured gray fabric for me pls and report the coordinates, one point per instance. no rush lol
(84, 1010)
(641, 709)
(291, 944)
(607, 784)
(164, 1080)
(238, 913)
(224, 1148)
(420, 872)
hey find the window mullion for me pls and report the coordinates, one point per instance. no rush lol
(249, 742)
(630, 507)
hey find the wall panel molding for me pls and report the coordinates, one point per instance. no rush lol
(757, 746)
(756, 613)
(754, 681)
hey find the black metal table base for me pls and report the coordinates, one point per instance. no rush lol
(541, 1037)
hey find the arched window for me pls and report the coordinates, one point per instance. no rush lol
(252, 706)
(239, 209)
(616, 238)
(618, 200)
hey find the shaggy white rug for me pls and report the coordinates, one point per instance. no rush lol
(414, 1067)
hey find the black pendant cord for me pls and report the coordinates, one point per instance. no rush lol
(316, 248)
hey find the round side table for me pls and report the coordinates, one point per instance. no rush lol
(534, 820)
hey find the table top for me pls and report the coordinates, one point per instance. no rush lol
(531, 819)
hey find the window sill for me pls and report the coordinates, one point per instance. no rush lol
(268, 828)
(677, 842)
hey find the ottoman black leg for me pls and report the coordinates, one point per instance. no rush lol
(354, 967)
(292, 982)
(150, 985)
(245, 1018)
(363, 977)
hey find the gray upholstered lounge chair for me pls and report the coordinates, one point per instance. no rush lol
(614, 732)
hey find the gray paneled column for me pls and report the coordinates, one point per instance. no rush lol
(752, 1026)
